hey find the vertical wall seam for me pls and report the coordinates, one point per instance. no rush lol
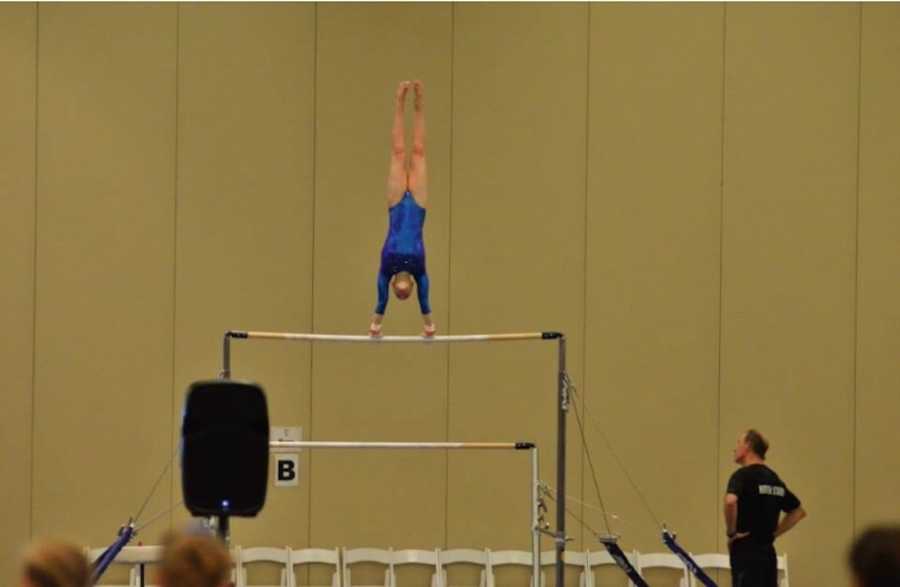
(34, 264)
(853, 409)
(449, 280)
(175, 177)
(718, 438)
(584, 298)
(312, 281)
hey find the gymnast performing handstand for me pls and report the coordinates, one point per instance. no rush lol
(403, 253)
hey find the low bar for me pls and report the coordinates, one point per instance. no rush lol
(294, 444)
(279, 445)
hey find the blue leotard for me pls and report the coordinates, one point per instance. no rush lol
(404, 250)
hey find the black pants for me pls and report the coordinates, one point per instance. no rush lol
(754, 569)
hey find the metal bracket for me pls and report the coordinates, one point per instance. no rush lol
(565, 396)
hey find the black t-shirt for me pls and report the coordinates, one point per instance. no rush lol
(762, 496)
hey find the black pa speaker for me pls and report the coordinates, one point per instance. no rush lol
(225, 449)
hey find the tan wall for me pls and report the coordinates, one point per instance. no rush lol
(877, 481)
(788, 250)
(703, 197)
(105, 239)
(17, 197)
(244, 217)
(513, 134)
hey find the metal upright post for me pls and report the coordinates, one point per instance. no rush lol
(226, 356)
(563, 408)
(223, 528)
(535, 519)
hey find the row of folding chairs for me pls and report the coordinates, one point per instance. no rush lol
(437, 562)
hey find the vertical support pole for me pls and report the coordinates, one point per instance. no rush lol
(223, 529)
(535, 520)
(226, 356)
(563, 396)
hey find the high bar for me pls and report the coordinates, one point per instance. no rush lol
(311, 337)
(298, 444)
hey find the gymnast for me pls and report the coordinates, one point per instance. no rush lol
(403, 253)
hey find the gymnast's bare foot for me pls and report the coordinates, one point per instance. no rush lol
(402, 89)
(430, 328)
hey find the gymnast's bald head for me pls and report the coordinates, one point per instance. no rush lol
(402, 284)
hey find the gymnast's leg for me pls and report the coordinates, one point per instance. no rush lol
(398, 180)
(418, 185)
(418, 172)
(396, 186)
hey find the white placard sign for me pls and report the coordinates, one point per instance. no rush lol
(287, 470)
(286, 433)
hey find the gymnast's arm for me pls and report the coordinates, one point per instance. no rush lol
(423, 289)
(381, 306)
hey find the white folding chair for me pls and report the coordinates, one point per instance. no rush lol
(133, 557)
(138, 556)
(664, 560)
(713, 561)
(602, 558)
(428, 558)
(316, 556)
(368, 555)
(783, 569)
(500, 558)
(464, 556)
(263, 554)
(571, 558)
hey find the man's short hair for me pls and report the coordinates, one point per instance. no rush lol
(757, 442)
(874, 557)
(193, 559)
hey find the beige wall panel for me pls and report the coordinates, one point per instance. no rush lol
(105, 208)
(878, 374)
(245, 216)
(653, 266)
(520, 92)
(377, 392)
(17, 119)
(789, 260)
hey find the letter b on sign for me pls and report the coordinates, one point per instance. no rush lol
(286, 470)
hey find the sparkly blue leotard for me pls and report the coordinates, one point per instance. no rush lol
(404, 250)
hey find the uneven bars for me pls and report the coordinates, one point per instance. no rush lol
(286, 444)
(562, 394)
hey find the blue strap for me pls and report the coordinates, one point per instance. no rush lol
(109, 555)
(689, 562)
(623, 563)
